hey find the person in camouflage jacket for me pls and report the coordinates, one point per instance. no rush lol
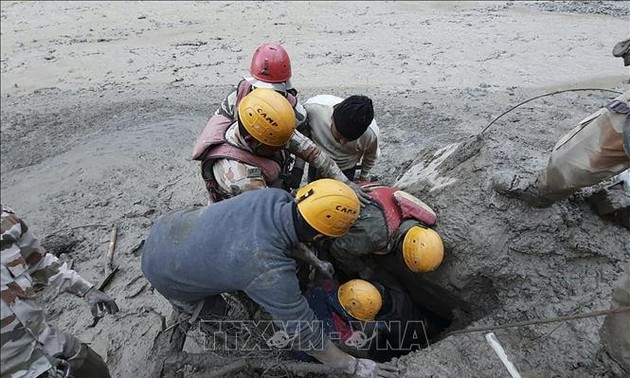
(30, 346)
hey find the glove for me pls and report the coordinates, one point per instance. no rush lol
(295, 178)
(363, 196)
(326, 268)
(100, 301)
(369, 369)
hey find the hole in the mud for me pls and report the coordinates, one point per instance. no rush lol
(423, 329)
(61, 242)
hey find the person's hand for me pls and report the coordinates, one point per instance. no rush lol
(295, 178)
(326, 268)
(369, 369)
(100, 301)
(364, 198)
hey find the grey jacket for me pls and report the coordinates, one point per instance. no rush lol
(243, 243)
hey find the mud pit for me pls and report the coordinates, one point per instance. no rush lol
(101, 104)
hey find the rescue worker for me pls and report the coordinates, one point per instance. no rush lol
(369, 318)
(245, 243)
(345, 130)
(393, 223)
(252, 152)
(30, 346)
(597, 149)
(270, 68)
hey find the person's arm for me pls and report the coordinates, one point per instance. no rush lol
(228, 106)
(302, 147)
(303, 253)
(369, 156)
(234, 177)
(45, 268)
(277, 291)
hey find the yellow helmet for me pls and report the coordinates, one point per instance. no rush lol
(267, 116)
(329, 206)
(360, 299)
(422, 249)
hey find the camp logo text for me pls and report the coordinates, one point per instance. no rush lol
(266, 117)
(345, 210)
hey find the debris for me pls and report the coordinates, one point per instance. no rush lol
(137, 292)
(112, 246)
(107, 278)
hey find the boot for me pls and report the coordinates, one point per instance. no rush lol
(514, 186)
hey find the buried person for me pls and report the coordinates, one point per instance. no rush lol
(369, 319)
(245, 243)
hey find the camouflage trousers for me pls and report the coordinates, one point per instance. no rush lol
(615, 333)
(590, 153)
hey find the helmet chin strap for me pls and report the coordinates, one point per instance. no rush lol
(405, 226)
(304, 231)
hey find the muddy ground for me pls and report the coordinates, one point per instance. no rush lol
(101, 103)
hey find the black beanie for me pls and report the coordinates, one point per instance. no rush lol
(353, 115)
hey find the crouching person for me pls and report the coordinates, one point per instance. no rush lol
(395, 223)
(30, 346)
(245, 243)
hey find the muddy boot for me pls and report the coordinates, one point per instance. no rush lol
(514, 186)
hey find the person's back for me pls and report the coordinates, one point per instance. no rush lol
(191, 254)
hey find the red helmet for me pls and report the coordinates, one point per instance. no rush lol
(270, 64)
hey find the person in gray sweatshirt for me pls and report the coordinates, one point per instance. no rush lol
(246, 243)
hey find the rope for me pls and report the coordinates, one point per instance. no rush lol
(591, 314)
(545, 95)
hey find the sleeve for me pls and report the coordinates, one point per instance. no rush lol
(43, 267)
(234, 177)
(370, 154)
(228, 106)
(351, 251)
(278, 292)
(306, 149)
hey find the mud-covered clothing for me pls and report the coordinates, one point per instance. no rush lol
(367, 236)
(364, 150)
(27, 340)
(590, 153)
(615, 333)
(242, 244)
(233, 176)
(398, 323)
(228, 107)
(401, 326)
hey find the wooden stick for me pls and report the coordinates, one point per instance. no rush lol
(107, 278)
(112, 246)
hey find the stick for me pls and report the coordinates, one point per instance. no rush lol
(498, 349)
(107, 278)
(112, 246)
